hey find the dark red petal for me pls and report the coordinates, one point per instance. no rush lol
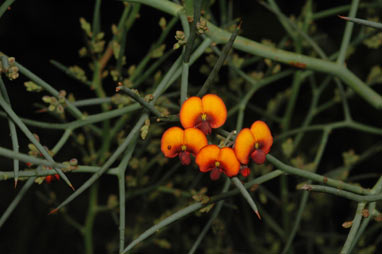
(245, 171)
(205, 127)
(185, 158)
(258, 156)
(215, 174)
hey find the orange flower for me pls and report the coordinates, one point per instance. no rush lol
(176, 141)
(256, 142)
(212, 158)
(205, 113)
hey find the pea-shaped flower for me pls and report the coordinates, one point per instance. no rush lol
(176, 141)
(217, 160)
(203, 113)
(255, 142)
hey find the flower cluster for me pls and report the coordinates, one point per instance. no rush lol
(198, 116)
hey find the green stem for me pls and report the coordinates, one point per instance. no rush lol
(347, 34)
(77, 113)
(163, 85)
(212, 218)
(246, 195)
(90, 218)
(11, 207)
(296, 224)
(297, 82)
(316, 177)
(336, 125)
(137, 77)
(221, 36)
(122, 192)
(4, 6)
(219, 63)
(141, 101)
(121, 123)
(284, 195)
(32, 138)
(23, 190)
(98, 88)
(197, 53)
(223, 12)
(68, 72)
(342, 193)
(84, 122)
(364, 22)
(167, 175)
(132, 135)
(341, 9)
(62, 141)
(316, 92)
(304, 199)
(371, 208)
(295, 32)
(256, 85)
(96, 24)
(354, 229)
(92, 101)
(184, 82)
(12, 130)
(195, 5)
(196, 206)
(5, 175)
(124, 28)
(170, 76)
(344, 101)
(172, 218)
(150, 70)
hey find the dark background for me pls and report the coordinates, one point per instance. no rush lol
(35, 32)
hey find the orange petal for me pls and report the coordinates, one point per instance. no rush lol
(215, 109)
(190, 112)
(194, 139)
(229, 162)
(171, 142)
(244, 145)
(262, 134)
(207, 157)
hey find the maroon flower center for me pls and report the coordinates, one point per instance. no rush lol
(216, 171)
(185, 157)
(258, 156)
(245, 171)
(215, 174)
(203, 124)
